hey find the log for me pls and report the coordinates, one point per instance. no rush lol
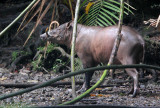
(118, 83)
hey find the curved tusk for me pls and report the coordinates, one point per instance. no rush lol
(56, 22)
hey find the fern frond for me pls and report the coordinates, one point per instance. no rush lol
(103, 13)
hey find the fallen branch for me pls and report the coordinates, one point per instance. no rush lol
(62, 52)
(17, 60)
(118, 83)
(53, 85)
(55, 48)
(30, 85)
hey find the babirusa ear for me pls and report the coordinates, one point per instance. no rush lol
(69, 25)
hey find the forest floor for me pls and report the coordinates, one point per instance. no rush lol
(49, 96)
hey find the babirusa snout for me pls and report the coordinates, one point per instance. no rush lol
(43, 36)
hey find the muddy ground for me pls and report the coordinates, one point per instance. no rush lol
(115, 94)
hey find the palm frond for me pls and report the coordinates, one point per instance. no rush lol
(24, 18)
(42, 15)
(103, 13)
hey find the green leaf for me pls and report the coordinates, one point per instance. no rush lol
(108, 17)
(114, 2)
(116, 7)
(111, 8)
(83, 3)
(91, 22)
(110, 14)
(82, 18)
(102, 22)
(105, 19)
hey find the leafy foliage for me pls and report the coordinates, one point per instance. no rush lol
(57, 64)
(16, 54)
(38, 62)
(102, 12)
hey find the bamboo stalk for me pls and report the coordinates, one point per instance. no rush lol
(73, 47)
